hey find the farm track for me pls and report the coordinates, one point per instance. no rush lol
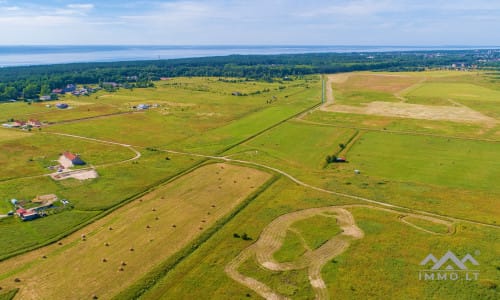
(131, 148)
(330, 100)
(92, 118)
(272, 238)
(299, 182)
(399, 131)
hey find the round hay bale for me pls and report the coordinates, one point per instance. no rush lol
(17, 280)
(104, 260)
(123, 263)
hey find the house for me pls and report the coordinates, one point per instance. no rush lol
(45, 98)
(69, 88)
(113, 84)
(18, 123)
(69, 159)
(236, 93)
(29, 215)
(34, 123)
(62, 105)
(142, 106)
(58, 91)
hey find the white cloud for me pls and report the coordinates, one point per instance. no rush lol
(86, 6)
(11, 8)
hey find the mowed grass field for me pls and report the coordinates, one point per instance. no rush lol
(31, 154)
(442, 167)
(198, 113)
(388, 256)
(454, 163)
(126, 244)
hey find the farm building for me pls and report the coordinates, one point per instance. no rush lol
(27, 215)
(69, 159)
(142, 106)
(34, 123)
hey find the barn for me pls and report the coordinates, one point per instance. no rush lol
(72, 158)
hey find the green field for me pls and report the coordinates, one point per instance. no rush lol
(421, 186)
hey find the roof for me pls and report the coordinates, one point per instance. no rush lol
(69, 155)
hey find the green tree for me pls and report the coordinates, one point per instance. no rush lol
(10, 92)
(31, 91)
(45, 90)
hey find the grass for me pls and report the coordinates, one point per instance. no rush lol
(292, 248)
(8, 295)
(365, 258)
(317, 230)
(17, 234)
(445, 175)
(32, 154)
(295, 145)
(292, 284)
(428, 225)
(189, 278)
(116, 183)
(173, 204)
(371, 122)
(5, 206)
(483, 99)
(429, 160)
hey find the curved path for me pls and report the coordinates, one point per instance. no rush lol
(272, 237)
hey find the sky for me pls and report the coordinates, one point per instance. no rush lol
(251, 22)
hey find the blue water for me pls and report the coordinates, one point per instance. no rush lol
(40, 55)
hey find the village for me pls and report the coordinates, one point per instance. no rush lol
(44, 205)
(40, 206)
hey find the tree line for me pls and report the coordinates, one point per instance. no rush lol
(31, 81)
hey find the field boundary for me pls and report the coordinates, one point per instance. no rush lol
(144, 284)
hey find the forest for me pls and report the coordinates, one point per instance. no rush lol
(30, 82)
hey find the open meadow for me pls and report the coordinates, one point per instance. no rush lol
(225, 188)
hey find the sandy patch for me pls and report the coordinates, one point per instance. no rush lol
(339, 78)
(79, 174)
(415, 111)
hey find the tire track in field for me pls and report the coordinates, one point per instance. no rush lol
(272, 238)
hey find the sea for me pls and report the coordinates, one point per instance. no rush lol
(45, 55)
